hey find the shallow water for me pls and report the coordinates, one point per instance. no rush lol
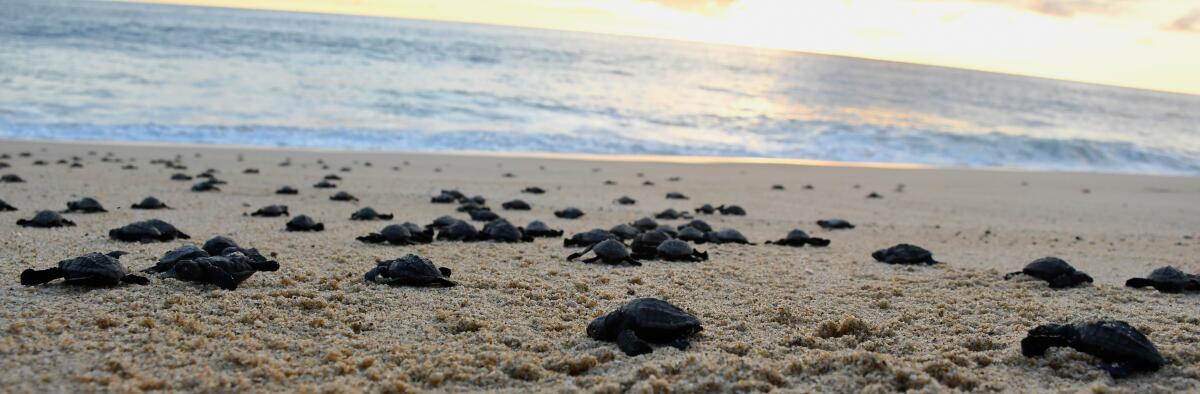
(111, 71)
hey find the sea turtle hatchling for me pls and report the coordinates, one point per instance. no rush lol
(92, 269)
(1122, 349)
(11, 178)
(483, 215)
(645, 321)
(625, 231)
(410, 270)
(368, 213)
(1055, 271)
(588, 238)
(727, 236)
(153, 230)
(569, 213)
(609, 251)
(85, 205)
(834, 224)
(272, 211)
(733, 210)
(676, 196)
(400, 234)
(206, 186)
(179, 176)
(798, 237)
(4, 207)
(516, 205)
(1167, 280)
(706, 209)
(672, 214)
(533, 190)
(625, 200)
(501, 230)
(645, 224)
(343, 196)
(150, 203)
(539, 229)
(692, 234)
(645, 246)
(287, 190)
(304, 223)
(324, 184)
(45, 219)
(678, 250)
(458, 231)
(904, 254)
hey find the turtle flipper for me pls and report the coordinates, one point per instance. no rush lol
(372, 238)
(220, 278)
(1010, 275)
(629, 343)
(445, 282)
(633, 262)
(135, 279)
(576, 255)
(681, 343)
(445, 271)
(31, 277)
(266, 266)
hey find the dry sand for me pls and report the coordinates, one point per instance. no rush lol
(775, 318)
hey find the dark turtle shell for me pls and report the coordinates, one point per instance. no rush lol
(45, 219)
(471, 206)
(11, 178)
(516, 205)
(706, 209)
(323, 184)
(304, 223)
(332, 177)
(731, 210)
(250, 171)
(777, 187)
(625, 200)
(645, 224)
(609, 251)
(728, 235)
(569, 213)
(482, 215)
(443, 222)
(501, 230)
(179, 176)
(343, 196)
(1167, 280)
(459, 231)
(369, 213)
(85, 205)
(645, 321)
(4, 207)
(217, 245)
(676, 196)
(1122, 349)
(625, 231)
(691, 234)
(399, 234)
(1054, 271)
(874, 195)
(697, 224)
(272, 211)
(798, 237)
(672, 214)
(588, 238)
(645, 246)
(153, 230)
(287, 190)
(834, 224)
(533, 190)
(92, 269)
(206, 186)
(678, 250)
(443, 198)
(665, 229)
(904, 254)
(226, 271)
(168, 261)
(538, 229)
(410, 270)
(150, 203)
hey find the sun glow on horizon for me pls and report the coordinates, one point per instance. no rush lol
(1150, 45)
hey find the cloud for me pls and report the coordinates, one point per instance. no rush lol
(1187, 23)
(695, 5)
(1061, 8)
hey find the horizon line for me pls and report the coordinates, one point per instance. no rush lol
(164, 3)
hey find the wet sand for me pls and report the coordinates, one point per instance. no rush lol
(775, 318)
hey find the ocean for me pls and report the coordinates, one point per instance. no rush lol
(107, 71)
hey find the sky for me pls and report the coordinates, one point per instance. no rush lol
(1149, 44)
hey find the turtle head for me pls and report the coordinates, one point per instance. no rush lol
(1047, 336)
(598, 329)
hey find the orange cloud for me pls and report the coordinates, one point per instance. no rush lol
(695, 5)
(1187, 23)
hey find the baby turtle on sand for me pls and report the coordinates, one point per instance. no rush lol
(645, 246)
(608, 251)
(706, 209)
(304, 223)
(874, 195)
(678, 250)
(147, 231)
(11, 178)
(410, 270)
(1055, 271)
(4, 207)
(692, 234)
(501, 230)
(731, 210)
(217, 245)
(533, 190)
(206, 186)
(1167, 280)
(516, 205)
(569, 213)
(343, 196)
(777, 187)
(904, 254)
(179, 176)
(45, 219)
(272, 211)
(588, 238)
(458, 231)
(92, 269)
(645, 321)
(798, 237)
(676, 196)
(728, 236)
(1122, 348)
(538, 229)
(645, 224)
(625, 231)
(332, 177)
(834, 224)
(471, 206)
(250, 171)
(324, 184)
(85, 205)
(483, 215)
(442, 222)
(226, 271)
(369, 213)
(150, 203)
(287, 190)
(672, 214)
(400, 234)
(625, 200)
(698, 224)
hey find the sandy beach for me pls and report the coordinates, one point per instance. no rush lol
(775, 318)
